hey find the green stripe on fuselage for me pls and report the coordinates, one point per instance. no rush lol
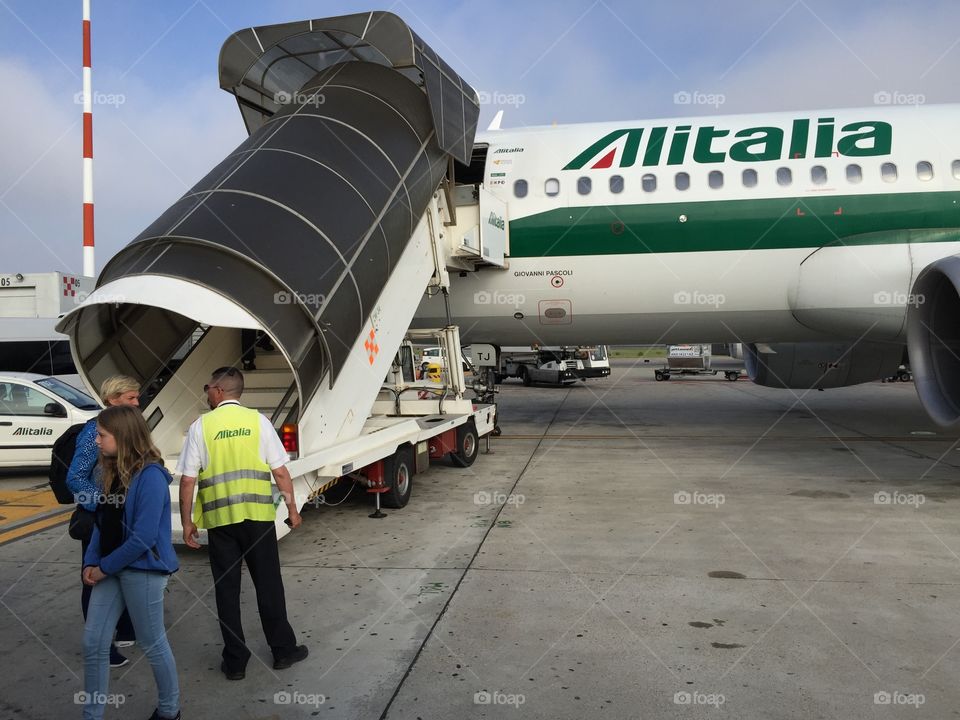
(771, 223)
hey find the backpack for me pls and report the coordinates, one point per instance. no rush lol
(60, 458)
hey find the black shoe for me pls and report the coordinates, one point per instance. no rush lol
(232, 674)
(299, 653)
(248, 366)
(116, 659)
(157, 716)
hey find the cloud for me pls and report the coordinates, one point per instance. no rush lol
(149, 148)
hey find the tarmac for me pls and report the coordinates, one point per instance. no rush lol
(631, 549)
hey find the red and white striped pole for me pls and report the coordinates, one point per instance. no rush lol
(88, 260)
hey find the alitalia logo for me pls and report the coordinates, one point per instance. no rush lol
(495, 220)
(33, 431)
(239, 432)
(711, 144)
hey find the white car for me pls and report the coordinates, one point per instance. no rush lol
(35, 410)
(431, 355)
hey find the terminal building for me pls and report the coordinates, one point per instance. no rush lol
(30, 304)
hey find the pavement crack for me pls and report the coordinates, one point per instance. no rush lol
(473, 558)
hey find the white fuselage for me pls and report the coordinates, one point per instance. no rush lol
(606, 246)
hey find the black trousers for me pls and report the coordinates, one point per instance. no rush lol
(254, 542)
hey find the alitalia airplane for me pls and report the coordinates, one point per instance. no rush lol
(824, 241)
(827, 243)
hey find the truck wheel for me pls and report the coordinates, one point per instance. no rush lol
(733, 376)
(524, 376)
(658, 375)
(398, 472)
(468, 445)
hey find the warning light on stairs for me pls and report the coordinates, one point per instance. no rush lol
(371, 345)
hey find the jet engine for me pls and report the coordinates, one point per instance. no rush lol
(933, 339)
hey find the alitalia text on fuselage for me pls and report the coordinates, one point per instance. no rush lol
(674, 145)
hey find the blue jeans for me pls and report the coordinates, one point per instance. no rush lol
(142, 594)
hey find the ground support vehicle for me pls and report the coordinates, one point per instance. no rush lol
(690, 360)
(35, 410)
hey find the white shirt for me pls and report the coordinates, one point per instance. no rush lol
(194, 455)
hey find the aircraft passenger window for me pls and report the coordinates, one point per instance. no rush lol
(649, 182)
(584, 185)
(956, 169)
(749, 178)
(520, 188)
(784, 176)
(616, 183)
(715, 179)
(888, 171)
(924, 170)
(682, 181)
(552, 187)
(854, 173)
(818, 174)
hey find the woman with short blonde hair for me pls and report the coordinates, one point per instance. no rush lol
(116, 387)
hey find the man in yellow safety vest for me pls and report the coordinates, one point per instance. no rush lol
(234, 451)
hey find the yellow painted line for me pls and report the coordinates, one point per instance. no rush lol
(25, 512)
(33, 527)
(19, 505)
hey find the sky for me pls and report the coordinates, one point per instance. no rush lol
(161, 121)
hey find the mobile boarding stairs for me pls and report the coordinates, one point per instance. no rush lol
(323, 229)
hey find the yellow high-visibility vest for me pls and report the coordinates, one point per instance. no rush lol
(235, 485)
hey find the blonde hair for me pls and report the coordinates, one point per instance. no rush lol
(116, 385)
(135, 448)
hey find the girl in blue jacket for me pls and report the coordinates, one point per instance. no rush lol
(130, 559)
